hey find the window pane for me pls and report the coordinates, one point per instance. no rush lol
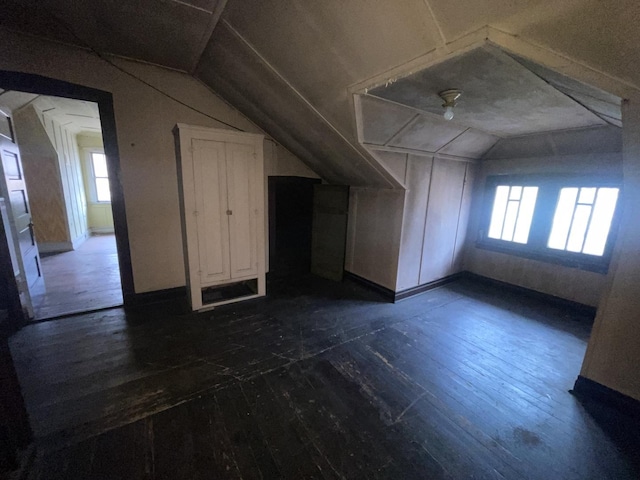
(499, 209)
(510, 221)
(527, 206)
(587, 195)
(601, 218)
(562, 218)
(99, 165)
(102, 190)
(578, 228)
(515, 193)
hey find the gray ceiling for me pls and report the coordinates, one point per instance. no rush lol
(500, 95)
(289, 66)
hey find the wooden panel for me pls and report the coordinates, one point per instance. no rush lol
(443, 210)
(14, 187)
(241, 186)
(11, 166)
(463, 219)
(328, 243)
(210, 179)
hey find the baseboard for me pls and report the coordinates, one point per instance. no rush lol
(545, 297)
(589, 389)
(384, 291)
(157, 296)
(425, 287)
(80, 240)
(101, 230)
(55, 247)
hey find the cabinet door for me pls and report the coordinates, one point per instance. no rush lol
(241, 186)
(210, 180)
(441, 226)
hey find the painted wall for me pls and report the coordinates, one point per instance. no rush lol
(70, 166)
(44, 181)
(144, 120)
(99, 215)
(373, 234)
(613, 354)
(558, 280)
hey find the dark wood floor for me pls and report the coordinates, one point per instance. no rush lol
(321, 380)
(84, 279)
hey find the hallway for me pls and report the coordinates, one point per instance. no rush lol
(81, 280)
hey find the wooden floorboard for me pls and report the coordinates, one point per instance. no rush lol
(322, 380)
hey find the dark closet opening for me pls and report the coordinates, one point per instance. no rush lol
(290, 219)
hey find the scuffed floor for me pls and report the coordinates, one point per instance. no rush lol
(321, 380)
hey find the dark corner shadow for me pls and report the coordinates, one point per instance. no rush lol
(308, 284)
(619, 425)
(540, 308)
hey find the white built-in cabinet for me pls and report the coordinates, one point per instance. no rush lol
(221, 183)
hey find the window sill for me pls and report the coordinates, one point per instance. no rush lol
(599, 265)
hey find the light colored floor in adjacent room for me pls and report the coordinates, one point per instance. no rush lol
(85, 279)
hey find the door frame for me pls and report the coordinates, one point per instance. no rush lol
(30, 83)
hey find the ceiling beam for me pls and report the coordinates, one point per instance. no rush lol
(206, 36)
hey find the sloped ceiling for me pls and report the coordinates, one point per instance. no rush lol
(288, 65)
(78, 116)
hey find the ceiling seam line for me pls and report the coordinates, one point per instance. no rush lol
(207, 34)
(435, 20)
(375, 165)
(402, 129)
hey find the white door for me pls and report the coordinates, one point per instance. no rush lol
(14, 190)
(210, 180)
(241, 188)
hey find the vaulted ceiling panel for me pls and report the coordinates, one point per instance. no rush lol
(426, 134)
(166, 32)
(383, 119)
(322, 47)
(234, 70)
(500, 96)
(471, 144)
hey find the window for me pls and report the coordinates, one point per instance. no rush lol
(582, 220)
(512, 213)
(100, 177)
(561, 219)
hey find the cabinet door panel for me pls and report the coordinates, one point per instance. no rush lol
(241, 186)
(443, 211)
(210, 180)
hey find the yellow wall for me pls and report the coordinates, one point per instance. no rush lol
(99, 215)
(144, 119)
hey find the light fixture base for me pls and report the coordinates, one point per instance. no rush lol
(450, 97)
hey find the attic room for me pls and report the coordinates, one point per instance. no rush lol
(351, 239)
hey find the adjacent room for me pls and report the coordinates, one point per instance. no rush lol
(339, 239)
(69, 205)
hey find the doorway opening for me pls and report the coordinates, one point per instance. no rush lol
(290, 225)
(73, 254)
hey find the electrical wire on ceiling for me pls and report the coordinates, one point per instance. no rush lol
(105, 59)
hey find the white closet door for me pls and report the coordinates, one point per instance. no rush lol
(210, 180)
(241, 185)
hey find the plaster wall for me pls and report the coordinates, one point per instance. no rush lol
(613, 353)
(565, 282)
(145, 119)
(373, 234)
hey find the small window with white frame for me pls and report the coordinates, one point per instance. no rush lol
(100, 177)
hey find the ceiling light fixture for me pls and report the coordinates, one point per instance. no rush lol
(449, 96)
